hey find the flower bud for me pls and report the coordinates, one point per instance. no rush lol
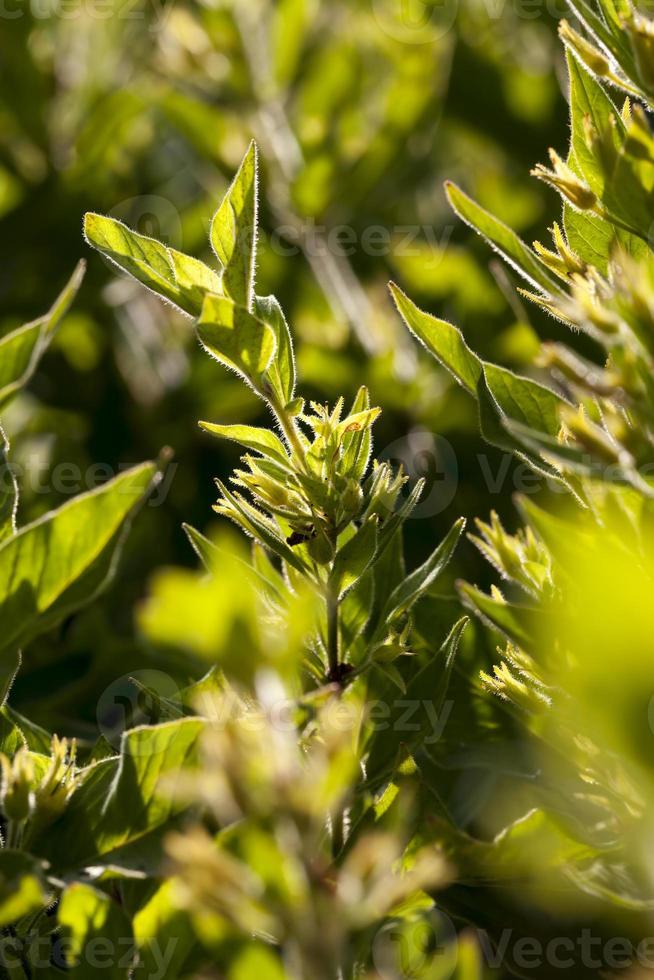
(17, 782)
(585, 51)
(566, 182)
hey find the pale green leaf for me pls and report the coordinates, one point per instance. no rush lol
(354, 557)
(503, 239)
(261, 441)
(513, 396)
(176, 277)
(234, 232)
(236, 338)
(121, 799)
(22, 886)
(59, 562)
(8, 491)
(98, 933)
(21, 350)
(281, 373)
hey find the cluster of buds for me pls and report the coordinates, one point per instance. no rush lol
(640, 32)
(270, 786)
(563, 262)
(311, 495)
(519, 557)
(563, 179)
(514, 679)
(36, 790)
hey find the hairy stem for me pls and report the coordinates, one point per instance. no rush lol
(332, 634)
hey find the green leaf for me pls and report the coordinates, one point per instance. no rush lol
(390, 744)
(8, 491)
(256, 525)
(234, 232)
(262, 441)
(255, 962)
(176, 277)
(503, 239)
(357, 443)
(354, 557)
(516, 622)
(22, 886)
(589, 102)
(22, 349)
(203, 547)
(56, 564)
(160, 926)
(98, 933)
(281, 373)
(121, 799)
(237, 339)
(417, 583)
(513, 396)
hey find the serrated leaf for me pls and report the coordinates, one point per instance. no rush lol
(503, 239)
(22, 349)
(262, 441)
(354, 557)
(236, 338)
(86, 916)
(234, 232)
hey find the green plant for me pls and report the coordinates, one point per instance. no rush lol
(570, 619)
(317, 622)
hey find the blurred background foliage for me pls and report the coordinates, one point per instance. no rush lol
(142, 110)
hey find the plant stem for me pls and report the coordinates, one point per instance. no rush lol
(332, 634)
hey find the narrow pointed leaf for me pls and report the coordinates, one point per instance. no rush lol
(415, 584)
(22, 349)
(354, 557)
(234, 232)
(261, 441)
(281, 372)
(503, 239)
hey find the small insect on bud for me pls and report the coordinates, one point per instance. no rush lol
(585, 51)
(566, 182)
(17, 782)
(320, 549)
